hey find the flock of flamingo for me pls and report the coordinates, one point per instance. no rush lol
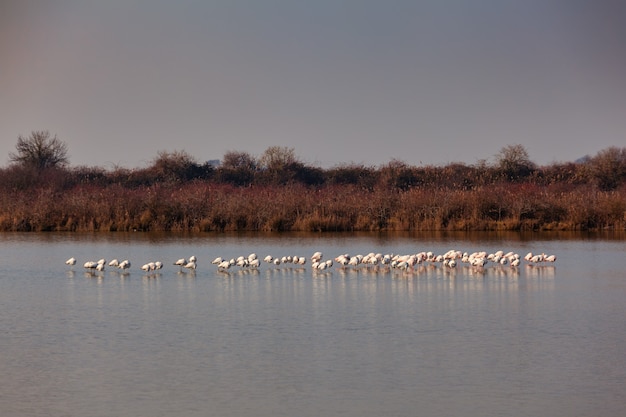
(450, 259)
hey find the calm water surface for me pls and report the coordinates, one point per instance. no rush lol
(546, 340)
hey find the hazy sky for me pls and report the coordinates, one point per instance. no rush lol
(340, 81)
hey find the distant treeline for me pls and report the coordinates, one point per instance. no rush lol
(277, 192)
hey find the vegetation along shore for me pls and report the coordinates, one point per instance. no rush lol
(40, 191)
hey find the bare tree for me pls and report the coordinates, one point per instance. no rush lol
(278, 157)
(178, 166)
(608, 167)
(279, 165)
(237, 167)
(514, 162)
(39, 151)
(239, 160)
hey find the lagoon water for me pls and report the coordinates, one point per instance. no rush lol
(544, 340)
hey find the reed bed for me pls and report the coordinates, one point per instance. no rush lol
(282, 194)
(205, 206)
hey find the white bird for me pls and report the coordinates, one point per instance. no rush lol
(224, 265)
(190, 265)
(317, 256)
(181, 262)
(100, 266)
(343, 259)
(217, 260)
(71, 262)
(268, 259)
(90, 264)
(125, 264)
(536, 258)
(192, 258)
(114, 262)
(551, 258)
(158, 265)
(402, 265)
(480, 262)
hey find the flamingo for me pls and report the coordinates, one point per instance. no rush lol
(181, 262)
(354, 261)
(343, 259)
(90, 265)
(536, 258)
(480, 262)
(403, 265)
(71, 261)
(114, 262)
(151, 266)
(125, 264)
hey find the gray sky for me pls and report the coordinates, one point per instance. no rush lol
(352, 81)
